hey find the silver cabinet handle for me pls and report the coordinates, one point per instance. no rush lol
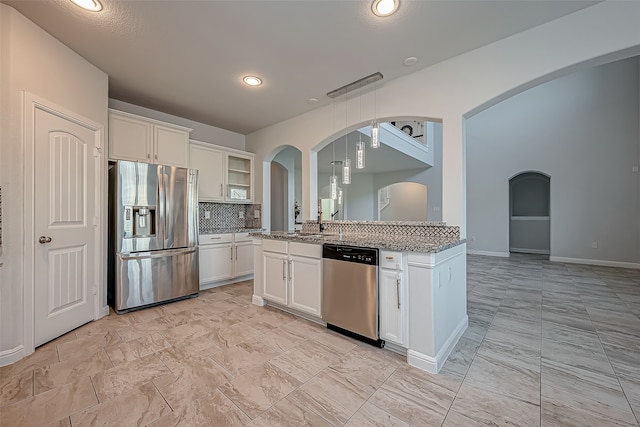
(284, 269)
(44, 239)
(290, 270)
(398, 292)
(236, 253)
(148, 156)
(220, 190)
(156, 157)
(231, 248)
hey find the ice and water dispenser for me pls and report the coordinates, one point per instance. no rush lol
(139, 221)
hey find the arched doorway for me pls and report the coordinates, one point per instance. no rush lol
(529, 213)
(282, 175)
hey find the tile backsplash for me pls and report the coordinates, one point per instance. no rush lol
(228, 216)
(387, 228)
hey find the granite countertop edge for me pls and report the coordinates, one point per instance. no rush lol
(230, 230)
(400, 244)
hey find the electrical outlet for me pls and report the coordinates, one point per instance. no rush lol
(473, 238)
(436, 208)
(594, 245)
(207, 214)
(634, 169)
(241, 214)
(256, 214)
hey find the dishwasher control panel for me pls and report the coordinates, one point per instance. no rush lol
(368, 256)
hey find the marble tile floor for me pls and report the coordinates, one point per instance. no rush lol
(548, 344)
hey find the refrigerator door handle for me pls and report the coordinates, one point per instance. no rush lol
(156, 254)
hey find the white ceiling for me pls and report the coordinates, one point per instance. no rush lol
(187, 58)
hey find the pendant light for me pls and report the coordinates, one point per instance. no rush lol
(346, 167)
(333, 180)
(375, 126)
(360, 144)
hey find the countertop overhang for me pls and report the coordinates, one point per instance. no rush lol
(422, 244)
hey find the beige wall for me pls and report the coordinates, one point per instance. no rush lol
(33, 61)
(455, 89)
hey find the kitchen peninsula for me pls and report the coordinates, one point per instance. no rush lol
(421, 280)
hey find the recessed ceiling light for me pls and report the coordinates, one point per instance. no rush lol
(252, 80)
(92, 5)
(312, 100)
(384, 7)
(412, 60)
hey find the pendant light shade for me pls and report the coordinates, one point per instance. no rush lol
(360, 155)
(340, 196)
(346, 172)
(375, 137)
(334, 187)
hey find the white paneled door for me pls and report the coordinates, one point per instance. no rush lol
(64, 215)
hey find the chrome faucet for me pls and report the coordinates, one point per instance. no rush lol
(320, 224)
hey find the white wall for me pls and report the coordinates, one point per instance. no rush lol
(32, 61)
(201, 132)
(582, 131)
(459, 87)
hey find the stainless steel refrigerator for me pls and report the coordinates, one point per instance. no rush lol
(153, 234)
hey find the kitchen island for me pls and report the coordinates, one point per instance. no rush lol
(421, 281)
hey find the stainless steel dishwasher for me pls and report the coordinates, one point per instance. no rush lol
(350, 291)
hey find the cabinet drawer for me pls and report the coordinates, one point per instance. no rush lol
(305, 249)
(390, 259)
(213, 239)
(272, 245)
(242, 237)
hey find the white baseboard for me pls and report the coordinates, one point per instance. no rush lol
(395, 348)
(603, 263)
(12, 355)
(210, 285)
(530, 251)
(434, 364)
(488, 253)
(257, 300)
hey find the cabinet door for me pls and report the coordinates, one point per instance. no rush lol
(243, 259)
(306, 285)
(129, 138)
(215, 263)
(210, 164)
(171, 146)
(275, 277)
(392, 307)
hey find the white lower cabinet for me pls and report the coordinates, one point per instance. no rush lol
(292, 275)
(392, 297)
(306, 284)
(243, 259)
(393, 312)
(224, 257)
(275, 277)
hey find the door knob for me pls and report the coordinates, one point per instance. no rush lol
(44, 239)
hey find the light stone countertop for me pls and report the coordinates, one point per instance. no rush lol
(230, 230)
(420, 244)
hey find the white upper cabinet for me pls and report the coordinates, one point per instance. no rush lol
(137, 138)
(210, 164)
(239, 177)
(226, 175)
